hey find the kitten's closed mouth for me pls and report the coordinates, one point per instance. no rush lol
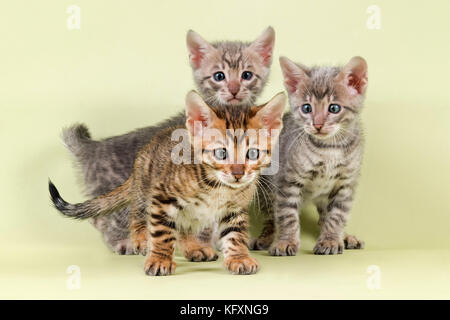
(236, 185)
(234, 100)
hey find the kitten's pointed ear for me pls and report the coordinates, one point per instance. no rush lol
(264, 45)
(269, 116)
(198, 48)
(354, 76)
(197, 111)
(294, 74)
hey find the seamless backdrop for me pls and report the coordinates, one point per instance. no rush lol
(127, 67)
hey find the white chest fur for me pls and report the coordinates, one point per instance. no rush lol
(322, 170)
(203, 211)
(323, 181)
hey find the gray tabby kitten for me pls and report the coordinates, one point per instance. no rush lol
(320, 156)
(226, 73)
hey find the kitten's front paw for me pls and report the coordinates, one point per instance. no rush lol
(327, 246)
(201, 254)
(241, 265)
(352, 242)
(155, 266)
(260, 243)
(284, 248)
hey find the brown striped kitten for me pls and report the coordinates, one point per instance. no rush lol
(320, 156)
(226, 73)
(172, 200)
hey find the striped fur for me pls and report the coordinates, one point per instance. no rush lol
(170, 201)
(107, 163)
(318, 165)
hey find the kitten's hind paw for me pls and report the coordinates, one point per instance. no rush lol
(201, 254)
(259, 244)
(155, 266)
(284, 248)
(139, 242)
(122, 247)
(352, 242)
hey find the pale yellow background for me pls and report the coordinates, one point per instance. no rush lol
(127, 67)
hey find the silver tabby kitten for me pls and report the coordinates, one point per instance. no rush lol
(320, 156)
(226, 73)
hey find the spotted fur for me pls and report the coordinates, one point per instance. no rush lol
(321, 155)
(169, 200)
(107, 163)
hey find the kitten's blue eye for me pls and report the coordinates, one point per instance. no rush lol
(306, 108)
(220, 154)
(247, 75)
(219, 76)
(334, 108)
(252, 154)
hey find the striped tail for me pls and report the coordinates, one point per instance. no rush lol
(96, 207)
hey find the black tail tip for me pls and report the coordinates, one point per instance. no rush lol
(59, 202)
(53, 191)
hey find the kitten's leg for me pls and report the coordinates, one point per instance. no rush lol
(115, 230)
(138, 230)
(350, 241)
(266, 237)
(114, 227)
(138, 223)
(264, 203)
(287, 225)
(233, 230)
(161, 244)
(198, 248)
(332, 221)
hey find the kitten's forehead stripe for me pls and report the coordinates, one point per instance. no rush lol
(235, 117)
(232, 61)
(232, 53)
(321, 83)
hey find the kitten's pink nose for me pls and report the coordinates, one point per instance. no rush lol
(318, 126)
(237, 170)
(233, 87)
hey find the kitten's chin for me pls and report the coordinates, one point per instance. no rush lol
(322, 135)
(234, 101)
(236, 185)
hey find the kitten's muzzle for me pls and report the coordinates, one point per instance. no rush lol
(318, 126)
(238, 171)
(234, 88)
